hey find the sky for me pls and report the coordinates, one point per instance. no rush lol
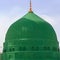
(12, 10)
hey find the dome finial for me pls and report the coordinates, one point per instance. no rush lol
(30, 10)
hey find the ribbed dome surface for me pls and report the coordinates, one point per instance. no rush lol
(31, 30)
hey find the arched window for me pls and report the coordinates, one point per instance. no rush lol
(32, 48)
(22, 48)
(12, 49)
(10, 56)
(37, 48)
(4, 50)
(46, 48)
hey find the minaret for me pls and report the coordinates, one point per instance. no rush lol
(30, 10)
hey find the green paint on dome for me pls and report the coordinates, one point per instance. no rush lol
(31, 27)
(31, 38)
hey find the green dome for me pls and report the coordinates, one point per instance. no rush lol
(31, 30)
(31, 38)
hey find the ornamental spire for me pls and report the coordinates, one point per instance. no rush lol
(30, 10)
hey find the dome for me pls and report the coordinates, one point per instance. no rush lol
(31, 30)
(31, 38)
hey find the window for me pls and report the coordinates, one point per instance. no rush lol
(10, 56)
(4, 50)
(33, 48)
(46, 48)
(22, 48)
(37, 48)
(11, 49)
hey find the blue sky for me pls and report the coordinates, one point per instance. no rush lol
(11, 10)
